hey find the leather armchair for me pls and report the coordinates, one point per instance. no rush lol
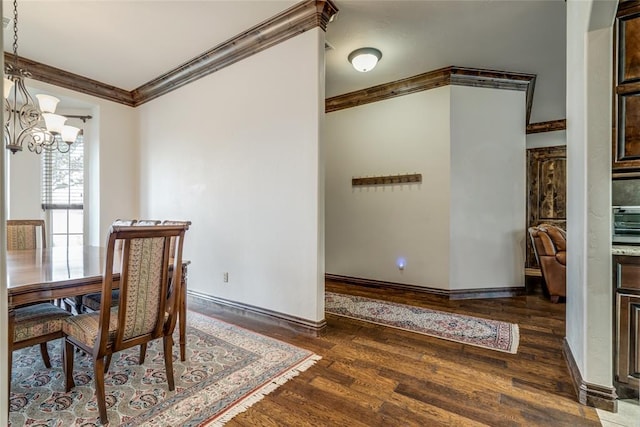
(550, 247)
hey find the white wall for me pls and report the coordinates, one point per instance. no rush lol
(238, 153)
(463, 226)
(119, 164)
(368, 228)
(488, 190)
(589, 293)
(547, 139)
(25, 176)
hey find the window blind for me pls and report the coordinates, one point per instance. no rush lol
(63, 177)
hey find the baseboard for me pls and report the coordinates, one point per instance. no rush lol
(455, 294)
(595, 395)
(297, 324)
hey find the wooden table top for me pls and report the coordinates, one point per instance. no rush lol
(55, 269)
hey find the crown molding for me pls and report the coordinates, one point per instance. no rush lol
(550, 126)
(297, 19)
(65, 79)
(293, 21)
(452, 75)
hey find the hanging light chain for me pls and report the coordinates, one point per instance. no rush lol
(15, 33)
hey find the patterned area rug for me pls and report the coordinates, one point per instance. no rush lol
(491, 334)
(227, 370)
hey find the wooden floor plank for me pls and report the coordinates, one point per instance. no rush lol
(371, 375)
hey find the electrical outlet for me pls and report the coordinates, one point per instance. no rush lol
(225, 277)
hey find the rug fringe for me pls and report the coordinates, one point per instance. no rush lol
(260, 393)
(515, 338)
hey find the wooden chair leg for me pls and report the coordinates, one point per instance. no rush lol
(10, 361)
(555, 299)
(167, 340)
(45, 354)
(67, 356)
(182, 318)
(11, 336)
(98, 367)
(143, 352)
(107, 363)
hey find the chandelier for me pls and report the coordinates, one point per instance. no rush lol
(39, 128)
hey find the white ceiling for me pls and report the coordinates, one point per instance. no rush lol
(129, 42)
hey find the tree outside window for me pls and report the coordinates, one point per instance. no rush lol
(63, 194)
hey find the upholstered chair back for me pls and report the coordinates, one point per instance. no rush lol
(23, 234)
(144, 278)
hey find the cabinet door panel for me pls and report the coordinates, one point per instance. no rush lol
(629, 134)
(629, 51)
(626, 117)
(635, 340)
(628, 338)
(627, 272)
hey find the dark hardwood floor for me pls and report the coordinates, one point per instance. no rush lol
(372, 375)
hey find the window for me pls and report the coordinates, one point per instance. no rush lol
(63, 194)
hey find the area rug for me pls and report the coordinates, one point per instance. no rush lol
(491, 334)
(227, 370)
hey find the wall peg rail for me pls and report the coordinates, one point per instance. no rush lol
(412, 178)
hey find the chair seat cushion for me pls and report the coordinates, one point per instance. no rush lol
(92, 301)
(84, 327)
(38, 320)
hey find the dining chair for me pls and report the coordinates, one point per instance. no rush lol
(181, 292)
(91, 302)
(35, 324)
(140, 222)
(23, 234)
(146, 309)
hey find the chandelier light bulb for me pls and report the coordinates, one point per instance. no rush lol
(8, 85)
(47, 103)
(365, 59)
(69, 134)
(54, 122)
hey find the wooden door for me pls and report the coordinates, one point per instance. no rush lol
(546, 184)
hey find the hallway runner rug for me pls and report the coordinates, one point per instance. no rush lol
(491, 334)
(227, 370)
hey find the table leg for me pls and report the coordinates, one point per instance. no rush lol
(182, 313)
(10, 333)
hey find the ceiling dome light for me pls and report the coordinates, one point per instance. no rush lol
(364, 59)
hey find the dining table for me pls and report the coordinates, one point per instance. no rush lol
(46, 274)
